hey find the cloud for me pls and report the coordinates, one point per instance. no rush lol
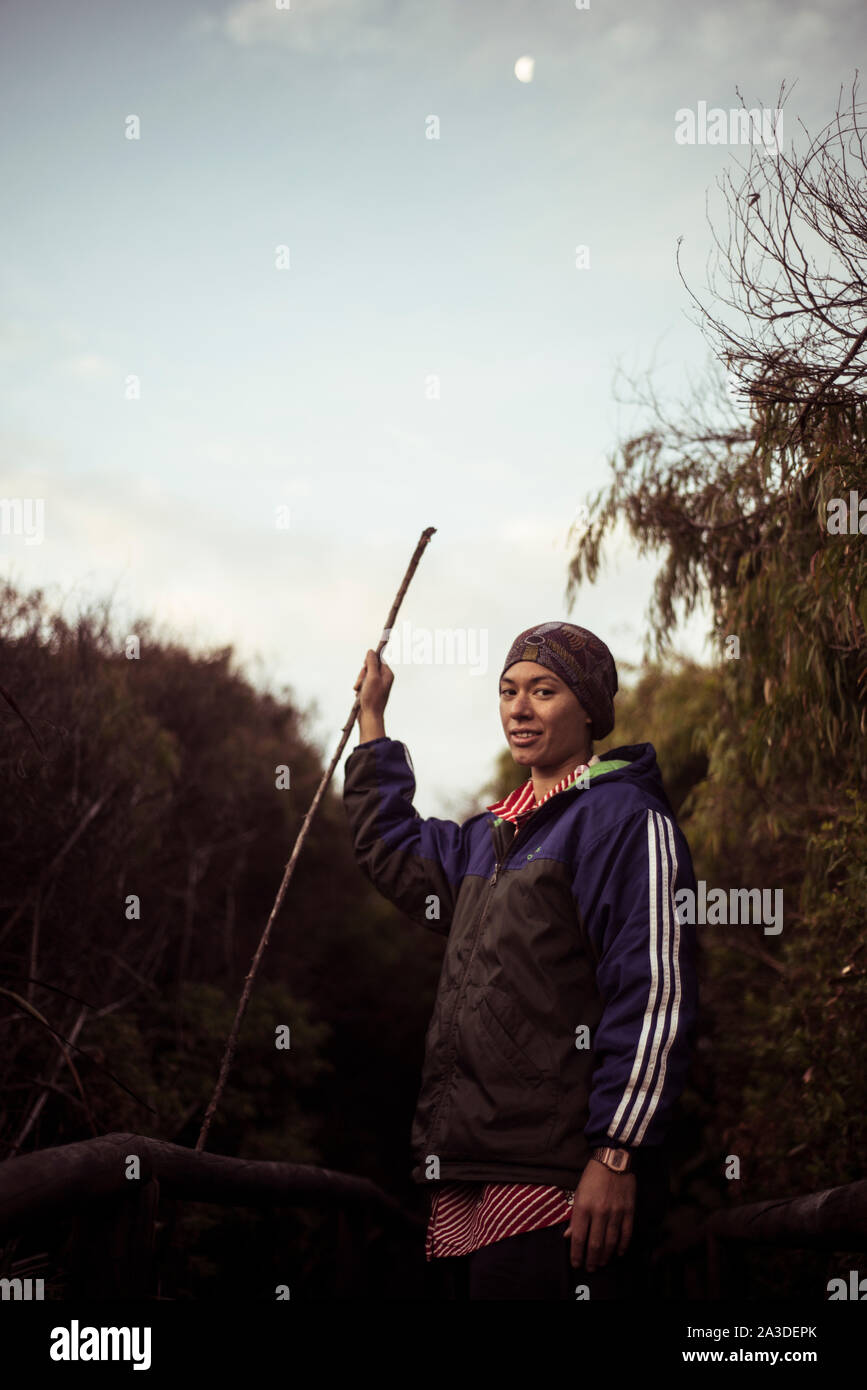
(335, 27)
(472, 34)
(90, 366)
(632, 37)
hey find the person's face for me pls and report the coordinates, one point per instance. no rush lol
(543, 720)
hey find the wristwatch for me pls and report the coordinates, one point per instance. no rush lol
(618, 1160)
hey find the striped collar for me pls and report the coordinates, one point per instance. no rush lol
(522, 801)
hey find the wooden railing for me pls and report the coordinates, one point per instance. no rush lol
(833, 1220)
(115, 1214)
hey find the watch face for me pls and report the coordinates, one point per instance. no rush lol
(619, 1160)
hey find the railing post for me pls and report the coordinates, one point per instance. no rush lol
(351, 1230)
(714, 1281)
(112, 1253)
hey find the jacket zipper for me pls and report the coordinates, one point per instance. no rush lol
(498, 864)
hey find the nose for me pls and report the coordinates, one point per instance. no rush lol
(521, 705)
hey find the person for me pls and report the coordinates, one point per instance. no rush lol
(565, 1014)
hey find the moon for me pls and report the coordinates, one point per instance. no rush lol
(524, 69)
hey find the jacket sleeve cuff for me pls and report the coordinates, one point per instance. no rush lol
(604, 1141)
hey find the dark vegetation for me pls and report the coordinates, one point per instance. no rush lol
(156, 778)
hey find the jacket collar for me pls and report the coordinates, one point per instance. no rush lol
(522, 801)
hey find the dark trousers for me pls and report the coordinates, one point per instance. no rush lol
(537, 1265)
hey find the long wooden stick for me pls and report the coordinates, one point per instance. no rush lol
(231, 1045)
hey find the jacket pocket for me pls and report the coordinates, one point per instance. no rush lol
(507, 1104)
(515, 1037)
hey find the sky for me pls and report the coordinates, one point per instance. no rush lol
(284, 285)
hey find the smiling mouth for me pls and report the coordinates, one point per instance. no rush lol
(524, 736)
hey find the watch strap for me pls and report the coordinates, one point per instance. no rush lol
(618, 1160)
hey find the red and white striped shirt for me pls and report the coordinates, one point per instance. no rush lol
(467, 1215)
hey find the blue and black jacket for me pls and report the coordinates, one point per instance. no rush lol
(566, 1007)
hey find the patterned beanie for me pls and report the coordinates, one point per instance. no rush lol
(580, 659)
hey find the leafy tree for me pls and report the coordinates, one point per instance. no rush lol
(736, 505)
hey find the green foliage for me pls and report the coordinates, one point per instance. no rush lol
(166, 1050)
(804, 1116)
